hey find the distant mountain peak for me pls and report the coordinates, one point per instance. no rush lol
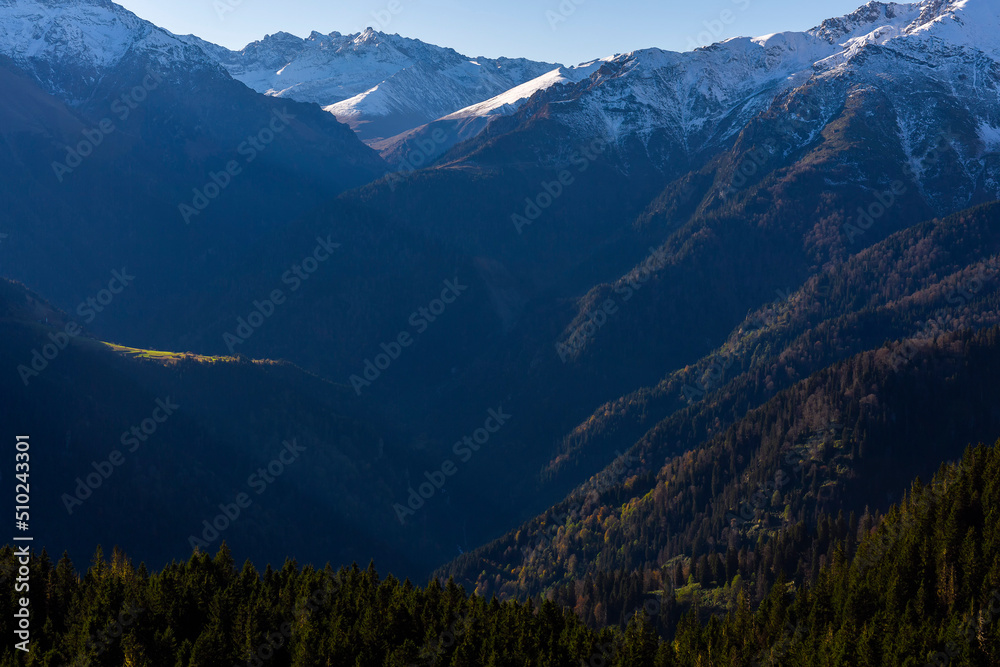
(934, 9)
(371, 80)
(834, 29)
(67, 44)
(968, 23)
(369, 36)
(281, 35)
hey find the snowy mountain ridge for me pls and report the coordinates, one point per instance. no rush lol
(929, 72)
(390, 88)
(68, 46)
(379, 84)
(708, 94)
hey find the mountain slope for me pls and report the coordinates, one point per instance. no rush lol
(922, 588)
(432, 140)
(920, 286)
(681, 189)
(120, 427)
(126, 147)
(901, 598)
(664, 106)
(939, 276)
(741, 193)
(830, 444)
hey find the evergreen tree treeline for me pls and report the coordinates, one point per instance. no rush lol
(922, 588)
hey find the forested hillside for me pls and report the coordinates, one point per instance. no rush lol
(800, 414)
(640, 362)
(760, 499)
(145, 430)
(923, 585)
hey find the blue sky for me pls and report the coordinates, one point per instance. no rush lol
(565, 31)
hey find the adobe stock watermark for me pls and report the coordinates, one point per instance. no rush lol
(750, 166)
(92, 137)
(562, 13)
(23, 616)
(869, 215)
(320, 598)
(132, 440)
(779, 650)
(547, 537)
(294, 278)
(224, 7)
(383, 17)
(553, 190)
(605, 480)
(258, 483)
(101, 641)
(710, 378)
(596, 320)
(755, 162)
(934, 326)
(249, 150)
(970, 630)
(433, 650)
(715, 28)
(716, 371)
(424, 153)
(885, 537)
(887, 199)
(605, 655)
(464, 450)
(88, 310)
(765, 491)
(420, 320)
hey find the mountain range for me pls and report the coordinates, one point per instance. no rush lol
(664, 278)
(380, 85)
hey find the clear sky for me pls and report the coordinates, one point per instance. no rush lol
(564, 31)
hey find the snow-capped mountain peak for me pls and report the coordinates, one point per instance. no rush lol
(380, 84)
(367, 36)
(510, 100)
(677, 105)
(965, 23)
(972, 24)
(864, 20)
(68, 44)
(91, 32)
